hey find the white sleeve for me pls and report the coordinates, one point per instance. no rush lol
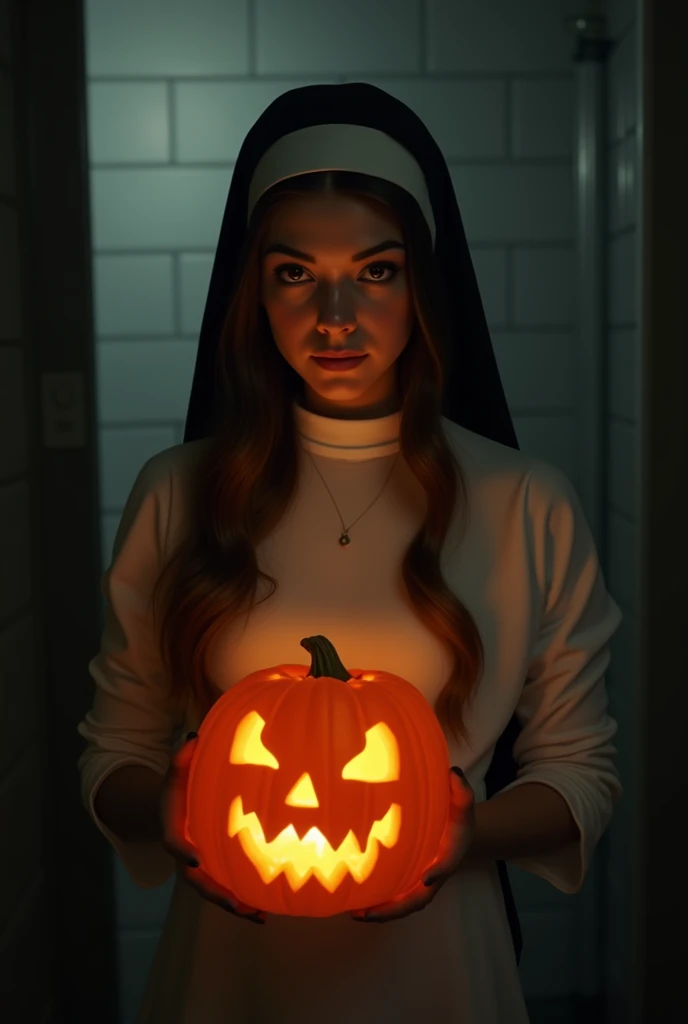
(131, 720)
(566, 738)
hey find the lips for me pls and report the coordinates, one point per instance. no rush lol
(346, 354)
(340, 363)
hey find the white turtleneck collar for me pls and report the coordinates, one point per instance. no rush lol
(354, 440)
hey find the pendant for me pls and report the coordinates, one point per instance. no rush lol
(344, 540)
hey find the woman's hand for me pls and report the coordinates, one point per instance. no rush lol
(173, 819)
(456, 840)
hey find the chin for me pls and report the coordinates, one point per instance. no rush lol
(346, 397)
(355, 385)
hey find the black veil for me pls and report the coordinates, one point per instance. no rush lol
(474, 397)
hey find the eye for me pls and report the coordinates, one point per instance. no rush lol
(248, 747)
(393, 268)
(291, 267)
(379, 759)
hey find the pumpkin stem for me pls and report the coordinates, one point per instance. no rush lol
(324, 658)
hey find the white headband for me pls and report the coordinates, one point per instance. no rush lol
(341, 147)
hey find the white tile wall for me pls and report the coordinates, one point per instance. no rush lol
(128, 122)
(474, 37)
(552, 354)
(622, 108)
(534, 894)
(122, 452)
(144, 382)
(169, 208)
(173, 89)
(134, 295)
(135, 959)
(623, 660)
(622, 279)
(619, 870)
(623, 467)
(194, 278)
(551, 955)
(549, 437)
(467, 117)
(212, 118)
(160, 38)
(621, 547)
(627, 753)
(622, 17)
(542, 118)
(622, 178)
(515, 202)
(623, 393)
(544, 286)
(145, 908)
(303, 37)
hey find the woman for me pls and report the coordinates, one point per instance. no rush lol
(310, 500)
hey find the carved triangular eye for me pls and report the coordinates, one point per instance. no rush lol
(248, 747)
(379, 759)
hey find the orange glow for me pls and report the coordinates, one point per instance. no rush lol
(348, 802)
(303, 793)
(311, 855)
(248, 747)
(379, 760)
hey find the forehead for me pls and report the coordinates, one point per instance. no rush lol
(319, 217)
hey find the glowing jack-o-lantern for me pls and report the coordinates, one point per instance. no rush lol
(317, 791)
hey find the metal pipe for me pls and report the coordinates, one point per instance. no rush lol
(590, 185)
(590, 54)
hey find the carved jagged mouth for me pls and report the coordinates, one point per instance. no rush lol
(299, 858)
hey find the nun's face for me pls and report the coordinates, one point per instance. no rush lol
(338, 284)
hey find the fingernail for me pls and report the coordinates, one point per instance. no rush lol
(191, 735)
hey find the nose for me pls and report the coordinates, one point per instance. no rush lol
(303, 794)
(336, 310)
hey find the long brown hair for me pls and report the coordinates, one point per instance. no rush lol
(246, 476)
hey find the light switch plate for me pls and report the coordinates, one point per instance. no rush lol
(64, 415)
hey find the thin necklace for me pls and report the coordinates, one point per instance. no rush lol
(344, 538)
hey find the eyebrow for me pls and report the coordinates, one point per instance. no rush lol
(356, 258)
